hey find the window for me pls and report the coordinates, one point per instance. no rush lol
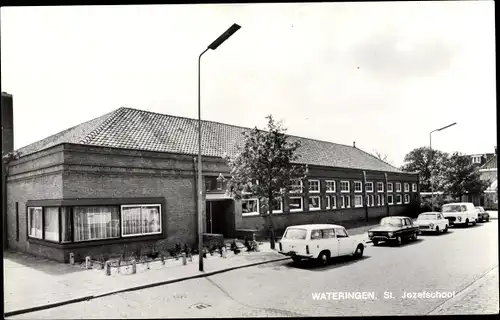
(316, 234)
(95, 223)
(277, 205)
(296, 186)
(398, 186)
(390, 199)
(295, 204)
(138, 220)
(328, 233)
(249, 207)
(35, 222)
(398, 199)
(380, 186)
(330, 185)
(414, 187)
(370, 200)
(476, 159)
(51, 224)
(341, 233)
(345, 201)
(314, 203)
(313, 186)
(327, 199)
(333, 202)
(344, 186)
(358, 201)
(407, 187)
(389, 187)
(66, 235)
(369, 187)
(295, 233)
(407, 198)
(380, 200)
(358, 186)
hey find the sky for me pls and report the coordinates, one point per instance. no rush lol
(381, 74)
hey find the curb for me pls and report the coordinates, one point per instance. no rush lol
(146, 286)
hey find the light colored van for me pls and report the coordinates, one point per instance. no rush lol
(319, 241)
(460, 213)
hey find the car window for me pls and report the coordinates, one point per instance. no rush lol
(409, 222)
(464, 208)
(295, 234)
(341, 233)
(440, 216)
(316, 234)
(328, 233)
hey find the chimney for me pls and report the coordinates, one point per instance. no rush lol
(354, 144)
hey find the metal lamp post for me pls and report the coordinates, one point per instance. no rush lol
(214, 45)
(432, 157)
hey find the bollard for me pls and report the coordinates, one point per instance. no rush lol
(107, 268)
(190, 257)
(224, 253)
(162, 260)
(87, 262)
(184, 259)
(134, 267)
(72, 258)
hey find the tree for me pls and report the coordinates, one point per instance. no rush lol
(263, 166)
(422, 161)
(382, 156)
(463, 177)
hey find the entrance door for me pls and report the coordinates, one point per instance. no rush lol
(218, 216)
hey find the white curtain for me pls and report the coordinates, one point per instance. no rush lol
(52, 224)
(35, 222)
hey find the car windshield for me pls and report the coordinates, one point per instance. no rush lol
(394, 222)
(453, 208)
(295, 234)
(427, 216)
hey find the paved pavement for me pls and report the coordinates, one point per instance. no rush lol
(462, 263)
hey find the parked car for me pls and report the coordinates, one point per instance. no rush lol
(394, 229)
(460, 213)
(483, 215)
(320, 242)
(432, 222)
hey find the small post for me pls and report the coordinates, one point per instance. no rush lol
(134, 266)
(184, 259)
(107, 268)
(162, 260)
(87, 262)
(190, 257)
(224, 252)
(71, 258)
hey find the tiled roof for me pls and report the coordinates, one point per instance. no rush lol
(142, 130)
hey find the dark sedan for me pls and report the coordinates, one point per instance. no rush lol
(394, 229)
(482, 215)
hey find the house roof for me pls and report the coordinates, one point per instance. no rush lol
(143, 130)
(490, 164)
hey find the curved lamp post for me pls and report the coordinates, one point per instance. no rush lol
(214, 45)
(432, 157)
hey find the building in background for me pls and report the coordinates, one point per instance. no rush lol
(128, 179)
(487, 164)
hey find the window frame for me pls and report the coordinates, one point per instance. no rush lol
(326, 186)
(406, 187)
(406, 196)
(391, 197)
(400, 198)
(309, 204)
(369, 183)
(333, 202)
(44, 220)
(370, 200)
(414, 187)
(246, 214)
(328, 202)
(142, 234)
(358, 196)
(348, 186)
(360, 183)
(378, 185)
(292, 185)
(29, 223)
(398, 189)
(316, 182)
(342, 201)
(380, 200)
(281, 206)
(118, 207)
(391, 189)
(301, 204)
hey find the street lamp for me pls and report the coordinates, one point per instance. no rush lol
(214, 45)
(432, 157)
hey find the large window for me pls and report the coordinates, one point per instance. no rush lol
(95, 223)
(345, 201)
(313, 186)
(277, 205)
(398, 199)
(390, 199)
(380, 200)
(398, 186)
(314, 203)
(414, 187)
(358, 186)
(344, 186)
(296, 186)
(330, 185)
(407, 187)
(370, 200)
(250, 207)
(35, 222)
(295, 204)
(369, 187)
(139, 220)
(380, 186)
(389, 187)
(51, 224)
(358, 201)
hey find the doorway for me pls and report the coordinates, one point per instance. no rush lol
(220, 216)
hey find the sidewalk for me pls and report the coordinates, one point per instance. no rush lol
(31, 282)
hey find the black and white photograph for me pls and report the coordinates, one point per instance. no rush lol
(248, 160)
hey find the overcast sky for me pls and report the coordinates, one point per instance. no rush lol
(381, 74)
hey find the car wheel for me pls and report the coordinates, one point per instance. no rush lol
(466, 222)
(445, 229)
(399, 241)
(359, 251)
(474, 222)
(437, 230)
(323, 258)
(375, 242)
(296, 259)
(415, 236)
(487, 219)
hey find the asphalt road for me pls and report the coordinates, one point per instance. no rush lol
(464, 262)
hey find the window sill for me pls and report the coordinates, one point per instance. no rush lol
(92, 243)
(250, 214)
